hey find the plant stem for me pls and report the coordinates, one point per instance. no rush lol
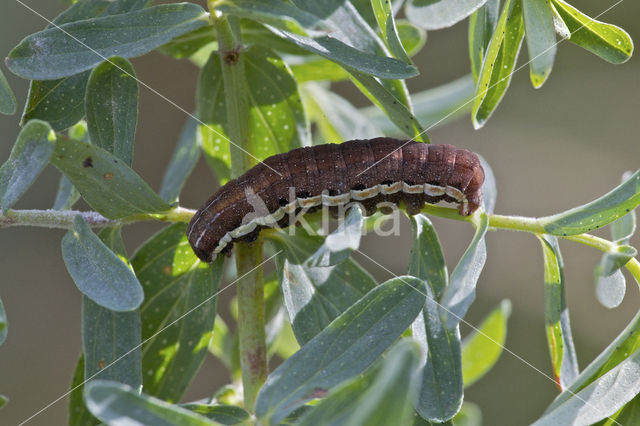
(251, 317)
(63, 219)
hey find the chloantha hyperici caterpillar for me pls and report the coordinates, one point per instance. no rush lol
(305, 179)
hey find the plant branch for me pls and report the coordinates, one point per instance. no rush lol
(63, 219)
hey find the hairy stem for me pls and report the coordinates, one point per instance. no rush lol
(251, 317)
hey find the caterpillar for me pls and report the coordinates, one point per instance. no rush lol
(302, 180)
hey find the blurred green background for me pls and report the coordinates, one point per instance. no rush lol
(551, 149)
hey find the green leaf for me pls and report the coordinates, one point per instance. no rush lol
(336, 118)
(629, 414)
(353, 47)
(97, 271)
(8, 103)
(499, 62)
(393, 107)
(3, 401)
(482, 23)
(601, 398)
(413, 38)
(313, 68)
(627, 342)
(223, 414)
(111, 340)
(67, 194)
(78, 46)
(563, 354)
(79, 414)
(111, 106)
(606, 209)
(387, 25)
(185, 156)
(115, 403)
(437, 14)
(489, 187)
(319, 280)
(382, 396)
(541, 39)
(58, 102)
(61, 102)
(611, 43)
(29, 156)
(106, 183)
(344, 349)
(482, 348)
(277, 121)
(224, 346)
(178, 312)
(461, 290)
(442, 371)
(432, 107)
(623, 228)
(187, 44)
(3, 323)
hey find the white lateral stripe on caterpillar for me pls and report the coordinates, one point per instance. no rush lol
(336, 200)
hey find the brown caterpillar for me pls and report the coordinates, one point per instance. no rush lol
(367, 171)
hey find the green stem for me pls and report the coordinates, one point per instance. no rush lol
(251, 317)
(63, 219)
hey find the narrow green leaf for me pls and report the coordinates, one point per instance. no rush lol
(627, 342)
(110, 340)
(387, 25)
(3, 323)
(441, 389)
(606, 209)
(611, 43)
(382, 396)
(61, 102)
(111, 105)
(412, 37)
(437, 14)
(29, 156)
(79, 414)
(601, 398)
(97, 271)
(8, 102)
(482, 348)
(427, 260)
(558, 328)
(541, 39)
(185, 156)
(106, 183)
(178, 313)
(499, 62)
(78, 46)
(393, 107)
(623, 228)
(118, 404)
(336, 118)
(432, 107)
(442, 371)
(482, 23)
(344, 349)
(223, 414)
(461, 290)
(3, 400)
